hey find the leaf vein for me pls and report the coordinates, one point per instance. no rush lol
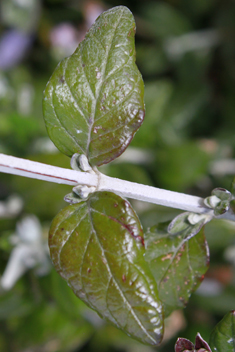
(116, 106)
(102, 81)
(120, 291)
(173, 258)
(95, 37)
(68, 236)
(111, 73)
(110, 312)
(110, 131)
(69, 89)
(58, 119)
(85, 251)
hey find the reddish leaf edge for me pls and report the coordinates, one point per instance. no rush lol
(184, 345)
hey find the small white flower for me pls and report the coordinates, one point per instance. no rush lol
(11, 207)
(29, 252)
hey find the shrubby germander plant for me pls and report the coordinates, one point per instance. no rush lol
(93, 105)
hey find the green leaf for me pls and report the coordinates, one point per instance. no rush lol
(178, 257)
(219, 201)
(93, 103)
(98, 247)
(222, 194)
(223, 336)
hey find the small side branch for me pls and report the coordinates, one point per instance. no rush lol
(32, 169)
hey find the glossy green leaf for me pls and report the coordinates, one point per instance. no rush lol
(223, 336)
(93, 103)
(221, 193)
(178, 258)
(98, 247)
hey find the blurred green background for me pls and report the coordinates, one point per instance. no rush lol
(186, 54)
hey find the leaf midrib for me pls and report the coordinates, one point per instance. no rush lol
(101, 84)
(184, 240)
(117, 286)
(61, 124)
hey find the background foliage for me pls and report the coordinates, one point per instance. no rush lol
(186, 54)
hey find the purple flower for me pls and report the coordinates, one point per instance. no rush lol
(13, 46)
